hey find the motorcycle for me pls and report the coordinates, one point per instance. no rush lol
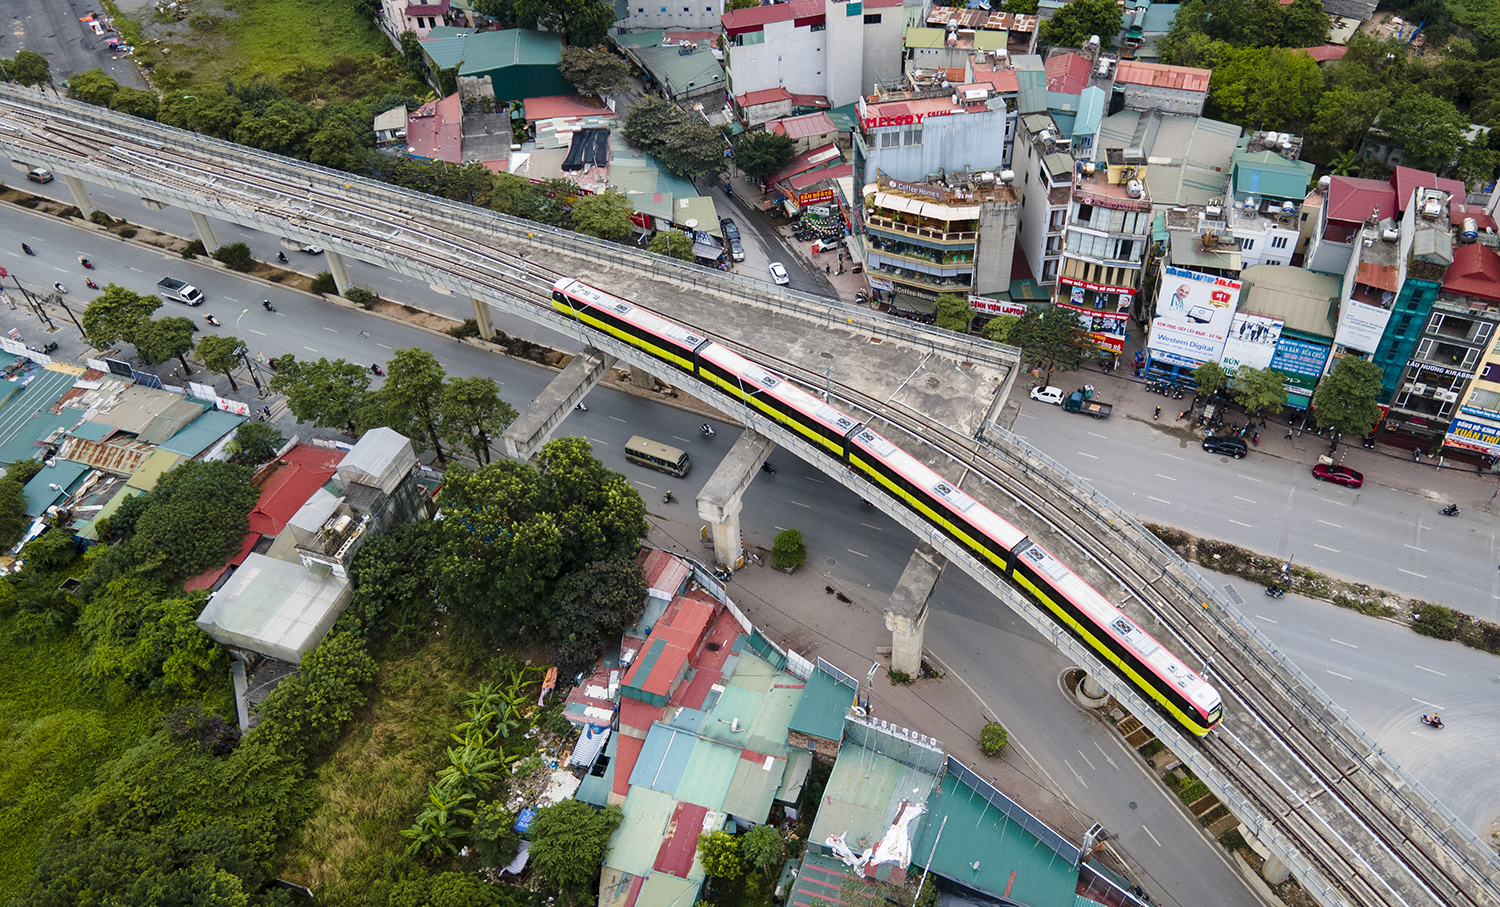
(1450, 510)
(1275, 592)
(1370, 441)
(50, 346)
(281, 257)
(86, 263)
(706, 430)
(1156, 415)
(60, 289)
(211, 320)
(27, 249)
(668, 498)
(768, 469)
(89, 282)
(377, 369)
(267, 306)
(580, 407)
(1433, 721)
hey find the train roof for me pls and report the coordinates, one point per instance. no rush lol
(642, 318)
(767, 381)
(921, 476)
(1114, 621)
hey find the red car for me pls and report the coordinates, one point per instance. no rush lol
(1339, 475)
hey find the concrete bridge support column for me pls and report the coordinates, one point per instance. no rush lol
(641, 378)
(338, 269)
(534, 427)
(205, 232)
(720, 501)
(80, 194)
(906, 616)
(482, 318)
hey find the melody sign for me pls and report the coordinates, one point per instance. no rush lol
(907, 119)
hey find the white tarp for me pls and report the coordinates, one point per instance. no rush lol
(1193, 315)
(1252, 341)
(1361, 326)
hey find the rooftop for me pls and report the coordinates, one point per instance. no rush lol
(1305, 300)
(1475, 272)
(805, 126)
(1407, 180)
(1352, 199)
(821, 711)
(480, 52)
(1160, 75)
(1068, 72)
(941, 16)
(755, 18)
(564, 105)
(435, 130)
(1188, 157)
(762, 96)
(274, 607)
(1263, 174)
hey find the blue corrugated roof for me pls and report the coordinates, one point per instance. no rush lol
(40, 494)
(664, 757)
(91, 431)
(825, 702)
(201, 433)
(24, 420)
(1090, 112)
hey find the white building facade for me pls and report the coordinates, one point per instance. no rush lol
(834, 49)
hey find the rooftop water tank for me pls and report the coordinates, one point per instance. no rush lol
(1007, 176)
(1470, 230)
(1390, 234)
(1433, 208)
(1135, 189)
(1288, 208)
(1323, 183)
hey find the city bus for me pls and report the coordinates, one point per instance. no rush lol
(657, 456)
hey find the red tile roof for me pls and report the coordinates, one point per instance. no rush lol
(284, 495)
(808, 160)
(763, 96)
(435, 130)
(754, 18)
(314, 455)
(1457, 212)
(681, 843)
(805, 126)
(811, 100)
(1001, 80)
(207, 578)
(1067, 73)
(664, 571)
(1160, 75)
(564, 105)
(673, 641)
(440, 8)
(1475, 272)
(1407, 180)
(1325, 53)
(803, 180)
(1351, 199)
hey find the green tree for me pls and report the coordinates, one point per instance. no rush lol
(672, 243)
(394, 577)
(788, 551)
(733, 5)
(992, 739)
(254, 443)
(605, 215)
(413, 398)
(195, 517)
(116, 314)
(284, 128)
(93, 87)
(1475, 162)
(1345, 399)
(1259, 389)
(1051, 339)
(163, 338)
(647, 124)
(209, 111)
(325, 393)
(568, 842)
(1072, 25)
(1343, 115)
(592, 605)
(762, 154)
(439, 829)
(13, 518)
(1210, 377)
(1304, 24)
(581, 23)
(137, 102)
(473, 414)
(954, 313)
(594, 72)
(338, 144)
(683, 143)
(1265, 87)
(719, 852)
(235, 256)
(29, 69)
(496, 841)
(307, 712)
(999, 328)
(1429, 129)
(220, 355)
(411, 54)
(150, 639)
(762, 848)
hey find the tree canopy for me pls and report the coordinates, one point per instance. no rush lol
(324, 393)
(158, 340)
(1051, 339)
(221, 354)
(116, 314)
(412, 398)
(1075, 23)
(568, 842)
(473, 414)
(761, 154)
(672, 243)
(954, 313)
(594, 72)
(254, 443)
(1345, 399)
(682, 142)
(592, 605)
(1259, 389)
(605, 215)
(581, 23)
(1259, 88)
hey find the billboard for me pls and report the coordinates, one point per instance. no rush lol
(1193, 316)
(1480, 436)
(1252, 341)
(1301, 362)
(1360, 326)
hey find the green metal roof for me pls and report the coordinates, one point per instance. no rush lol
(820, 713)
(683, 73)
(862, 796)
(91, 431)
(635, 843)
(757, 778)
(480, 52)
(64, 474)
(662, 890)
(86, 530)
(201, 433)
(1269, 175)
(709, 770)
(26, 417)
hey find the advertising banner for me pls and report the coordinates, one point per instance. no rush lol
(1360, 326)
(1301, 361)
(1193, 315)
(996, 306)
(883, 284)
(1252, 341)
(1481, 436)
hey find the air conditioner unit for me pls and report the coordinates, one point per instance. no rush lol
(1407, 387)
(1419, 389)
(1448, 396)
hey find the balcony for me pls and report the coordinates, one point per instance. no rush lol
(925, 281)
(879, 222)
(928, 257)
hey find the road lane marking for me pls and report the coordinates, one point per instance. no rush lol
(800, 504)
(1156, 499)
(1334, 525)
(329, 329)
(599, 442)
(1266, 619)
(1089, 455)
(1414, 547)
(1075, 773)
(1247, 478)
(383, 346)
(1097, 435)
(860, 553)
(1246, 500)
(1148, 832)
(1410, 573)
(617, 419)
(1337, 674)
(811, 479)
(254, 331)
(1342, 643)
(1026, 416)
(1238, 523)
(644, 485)
(868, 526)
(309, 349)
(1325, 548)
(1425, 702)
(1092, 767)
(1106, 756)
(680, 438)
(1173, 456)
(1168, 478)
(1430, 671)
(1332, 501)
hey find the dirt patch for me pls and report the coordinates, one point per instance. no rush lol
(415, 316)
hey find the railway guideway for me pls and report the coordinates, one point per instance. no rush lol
(1320, 794)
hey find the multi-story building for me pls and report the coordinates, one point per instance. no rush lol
(911, 134)
(831, 48)
(1105, 244)
(1267, 191)
(1156, 86)
(1044, 180)
(1350, 201)
(685, 14)
(1472, 286)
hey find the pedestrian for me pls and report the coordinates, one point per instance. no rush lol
(827, 269)
(1289, 432)
(1262, 421)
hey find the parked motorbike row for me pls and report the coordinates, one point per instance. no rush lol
(1166, 389)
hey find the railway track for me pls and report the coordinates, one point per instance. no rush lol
(1280, 750)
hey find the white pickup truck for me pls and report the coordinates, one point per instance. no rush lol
(179, 290)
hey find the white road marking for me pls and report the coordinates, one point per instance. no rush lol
(1414, 548)
(1332, 501)
(800, 504)
(1342, 643)
(1106, 756)
(254, 331)
(680, 438)
(1089, 455)
(1168, 478)
(1089, 761)
(1325, 548)
(1157, 500)
(868, 526)
(383, 346)
(1266, 619)
(1425, 702)
(1238, 523)
(1148, 832)
(617, 419)
(1246, 500)
(811, 479)
(1337, 674)
(1097, 435)
(1430, 671)
(1026, 415)
(309, 349)
(1075, 773)
(599, 442)
(329, 329)
(1334, 525)
(644, 485)
(1247, 478)
(779, 528)
(1410, 573)
(1173, 456)
(860, 553)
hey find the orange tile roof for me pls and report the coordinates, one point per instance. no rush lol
(1159, 75)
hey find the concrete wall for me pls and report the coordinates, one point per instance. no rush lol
(790, 58)
(884, 49)
(999, 222)
(691, 15)
(953, 143)
(840, 61)
(1167, 100)
(1031, 183)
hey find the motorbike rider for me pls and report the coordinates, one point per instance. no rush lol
(27, 249)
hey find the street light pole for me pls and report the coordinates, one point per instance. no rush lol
(244, 352)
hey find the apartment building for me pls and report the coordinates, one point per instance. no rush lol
(835, 49)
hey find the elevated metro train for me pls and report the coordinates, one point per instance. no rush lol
(1061, 593)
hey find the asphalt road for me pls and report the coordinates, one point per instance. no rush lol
(51, 28)
(1010, 667)
(1388, 534)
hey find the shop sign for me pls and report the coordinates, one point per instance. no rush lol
(907, 119)
(936, 193)
(811, 198)
(1478, 436)
(1421, 367)
(1480, 412)
(1299, 357)
(882, 284)
(1096, 287)
(996, 306)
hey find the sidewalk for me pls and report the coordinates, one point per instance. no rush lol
(808, 615)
